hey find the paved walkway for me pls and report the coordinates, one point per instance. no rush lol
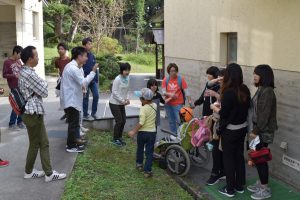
(14, 145)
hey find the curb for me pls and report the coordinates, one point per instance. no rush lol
(184, 185)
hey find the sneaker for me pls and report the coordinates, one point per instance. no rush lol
(84, 130)
(55, 176)
(88, 118)
(21, 125)
(4, 163)
(139, 167)
(96, 117)
(215, 179)
(13, 127)
(212, 180)
(148, 174)
(78, 149)
(122, 141)
(34, 174)
(239, 190)
(263, 193)
(224, 191)
(117, 143)
(82, 133)
(255, 187)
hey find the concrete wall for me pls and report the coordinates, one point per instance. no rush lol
(267, 33)
(267, 30)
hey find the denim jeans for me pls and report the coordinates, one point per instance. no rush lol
(145, 139)
(13, 118)
(173, 116)
(94, 87)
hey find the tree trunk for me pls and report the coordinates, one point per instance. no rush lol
(58, 28)
(73, 31)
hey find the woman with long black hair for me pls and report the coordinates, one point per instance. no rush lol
(235, 102)
(264, 124)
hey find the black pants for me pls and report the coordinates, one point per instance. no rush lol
(118, 111)
(73, 117)
(217, 155)
(263, 168)
(233, 158)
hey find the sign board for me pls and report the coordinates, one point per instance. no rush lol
(291, 162)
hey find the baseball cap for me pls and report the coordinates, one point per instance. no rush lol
(145, 93)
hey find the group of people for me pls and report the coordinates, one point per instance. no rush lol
(225, 93)
(239, 116)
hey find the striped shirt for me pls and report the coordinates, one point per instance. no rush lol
(33, 89)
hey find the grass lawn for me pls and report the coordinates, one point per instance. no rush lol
(140, 63)
(50, 52)
(107, 172)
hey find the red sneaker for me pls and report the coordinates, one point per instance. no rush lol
(4, 163)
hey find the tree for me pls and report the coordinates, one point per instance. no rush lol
(140, 21)
(55, 15)
(100, 18)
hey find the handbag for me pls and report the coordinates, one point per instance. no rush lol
(260, 156)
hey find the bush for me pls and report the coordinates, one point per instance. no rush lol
(109, 66)
(109, 46)
(50, 66)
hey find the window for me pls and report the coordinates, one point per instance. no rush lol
(35, 25)
(228, 48)
(232, 48)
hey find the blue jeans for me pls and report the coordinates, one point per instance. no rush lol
(13, 118)
(93, 86)
(173, 116)
(145, 139)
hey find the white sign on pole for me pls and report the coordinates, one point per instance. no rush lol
(291, 162)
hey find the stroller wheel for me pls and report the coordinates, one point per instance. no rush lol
(178, 161)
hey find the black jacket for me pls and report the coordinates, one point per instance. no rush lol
(232, 110)
(206, 111)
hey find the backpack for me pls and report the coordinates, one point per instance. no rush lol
(17, 101)
(179, 80)
(200, 135)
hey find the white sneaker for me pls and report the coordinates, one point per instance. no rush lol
(55, 176)
(84, 129)
(88, 118)
(82, 133)
(34, 174)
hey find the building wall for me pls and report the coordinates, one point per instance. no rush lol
(16, 27)
(267, 33)
(8, 37)
(267, 30)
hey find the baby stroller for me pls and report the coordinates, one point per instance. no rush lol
(176, 150)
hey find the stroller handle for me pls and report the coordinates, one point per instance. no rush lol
(168, 132)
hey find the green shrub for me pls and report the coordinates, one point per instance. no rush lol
(109, 66)
(50, 66)
(109, 46)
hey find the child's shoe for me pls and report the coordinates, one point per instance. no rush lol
(148, 174)
(139, 168)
